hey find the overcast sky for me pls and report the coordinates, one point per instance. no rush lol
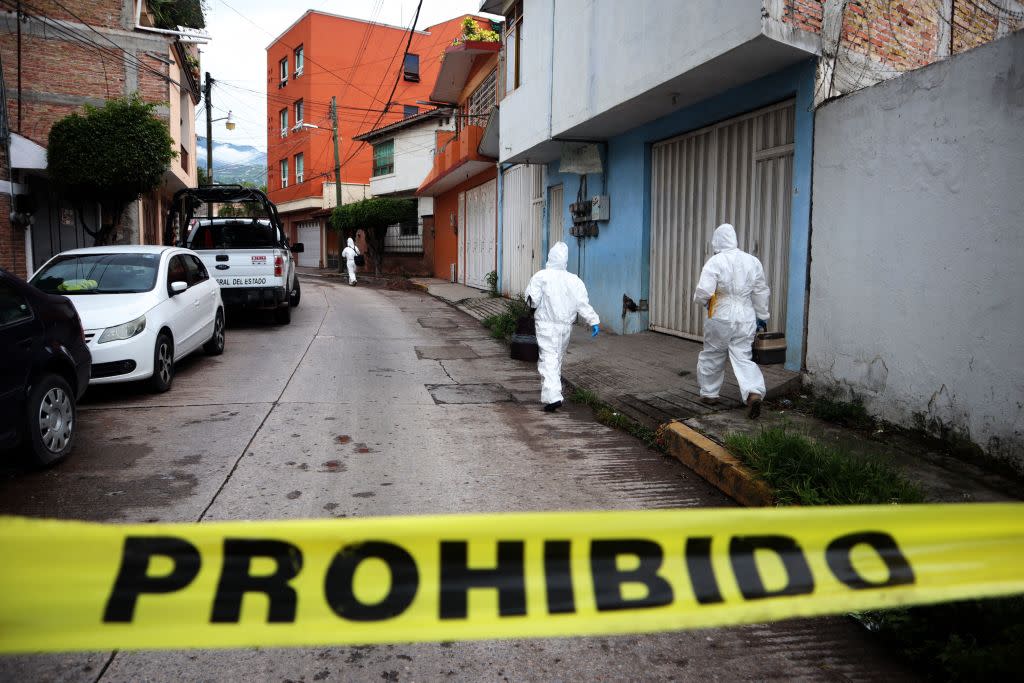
(241, 30)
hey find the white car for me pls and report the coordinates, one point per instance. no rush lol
(143, 308)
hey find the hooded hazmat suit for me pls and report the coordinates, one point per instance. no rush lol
(558, 296)
(742, 300)
(349, 254)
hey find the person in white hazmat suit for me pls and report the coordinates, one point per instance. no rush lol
(740, 308)
(349, 253)
(558, 296)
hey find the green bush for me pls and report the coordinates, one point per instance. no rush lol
(503, 325)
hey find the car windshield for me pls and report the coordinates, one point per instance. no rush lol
(71, 274)
(241, 235)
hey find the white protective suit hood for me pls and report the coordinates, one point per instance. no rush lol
(351, 243)
(724, 238)
(558, 257)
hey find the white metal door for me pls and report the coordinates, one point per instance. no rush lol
(460, 276)
(555, 218)
(739, 171)
(309, 235)
(480, 231)
(521, 226)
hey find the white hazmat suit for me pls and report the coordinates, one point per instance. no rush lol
(349, 254)
(742, 300)
(558, 296)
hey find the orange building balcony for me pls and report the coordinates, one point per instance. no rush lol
(456, 159)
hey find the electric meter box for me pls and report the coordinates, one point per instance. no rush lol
(599, 210)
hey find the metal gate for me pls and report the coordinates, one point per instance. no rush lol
(460, 275)
(309, 235)
(739, 171)
(480, 230)
(556, 220)
(522, 218)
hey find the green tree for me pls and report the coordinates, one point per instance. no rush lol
(373, 216)
(111, 155)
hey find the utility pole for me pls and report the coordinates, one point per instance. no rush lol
(209, 129)
(337, 159)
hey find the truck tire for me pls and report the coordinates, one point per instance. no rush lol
(52, 420)
(283, 315)
(293, 299)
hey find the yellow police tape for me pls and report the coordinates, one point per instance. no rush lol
(75, 585)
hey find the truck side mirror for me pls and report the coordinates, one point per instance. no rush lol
(298, 248)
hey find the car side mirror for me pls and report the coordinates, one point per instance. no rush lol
(178, 287)
(298, 248)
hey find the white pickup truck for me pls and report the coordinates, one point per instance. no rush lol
(249, 257)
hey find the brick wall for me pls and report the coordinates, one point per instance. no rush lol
(902, 35)
(105, 13)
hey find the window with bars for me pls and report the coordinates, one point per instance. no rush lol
(482, 100)
(384, 158)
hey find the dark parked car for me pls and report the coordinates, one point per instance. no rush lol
(44, 370)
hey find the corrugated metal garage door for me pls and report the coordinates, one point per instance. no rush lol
(739, 171)
(309, 235)
(480, 230)
(522, 218)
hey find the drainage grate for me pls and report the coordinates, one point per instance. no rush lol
(468, 393)
(453, 352)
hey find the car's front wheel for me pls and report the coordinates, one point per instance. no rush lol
(163, 363)
(215, 346)
(52, 417)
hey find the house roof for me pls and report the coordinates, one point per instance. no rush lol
(400, 125)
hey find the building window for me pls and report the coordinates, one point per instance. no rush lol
(284, 173)
(384, 158)
(284, 71)
(298, 112)
(284, 123)
(300, 60)
(513, 46)
(482, 101)
(409, 110)
(300, 168)
(411, 68)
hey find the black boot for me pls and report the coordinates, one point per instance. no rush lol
(552, 407)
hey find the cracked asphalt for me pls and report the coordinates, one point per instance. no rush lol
(377, 402)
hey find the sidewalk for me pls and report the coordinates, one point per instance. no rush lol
(650, 377)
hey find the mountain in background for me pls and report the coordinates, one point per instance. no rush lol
(234, 163)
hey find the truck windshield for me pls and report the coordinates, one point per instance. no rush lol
(241, 235)
(98, 274)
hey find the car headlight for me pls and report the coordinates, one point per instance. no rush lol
(125, 331)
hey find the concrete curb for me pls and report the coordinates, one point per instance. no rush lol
(717, 466)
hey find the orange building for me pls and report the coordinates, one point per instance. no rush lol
(358, 62)
(463, 179)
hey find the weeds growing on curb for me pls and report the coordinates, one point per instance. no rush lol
(503, 325)
(805, 472)
(610, 417)
(961, 641)
(847, 413)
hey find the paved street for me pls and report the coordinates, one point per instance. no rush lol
(376, 402)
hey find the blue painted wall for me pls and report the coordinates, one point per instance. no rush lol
(617, 262)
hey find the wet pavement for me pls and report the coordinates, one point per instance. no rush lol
(376, 402)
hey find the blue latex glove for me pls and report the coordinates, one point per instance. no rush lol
(762, 324)
(594, 329)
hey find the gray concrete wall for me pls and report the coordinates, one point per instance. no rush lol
(917, 249)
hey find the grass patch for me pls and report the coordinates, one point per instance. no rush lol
(805, 472)
(847, 413)
(971, 640)
(610, 417)
(503, 325)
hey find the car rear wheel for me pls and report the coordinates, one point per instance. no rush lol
(52, 417)
(163, 363)
(215, 346)
(296, 294)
